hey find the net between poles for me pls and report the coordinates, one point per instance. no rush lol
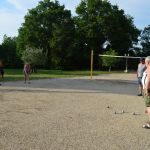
(126, 63)
(121, 56)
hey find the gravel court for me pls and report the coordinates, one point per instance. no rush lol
(72, 114)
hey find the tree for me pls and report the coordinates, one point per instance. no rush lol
(8, 52)
(34, 56)
(110, 61)
(98, 21)
(48, 26)
(62, 42)
(145, 41)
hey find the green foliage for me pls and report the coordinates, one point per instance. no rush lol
(34, 56)
(98, 21)
(145, 41)
(110, 61)
(48, 26)
(8, 52)
(62, 42)
(66, 41)
(16, 74)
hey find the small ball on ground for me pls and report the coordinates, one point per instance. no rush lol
(133, 113)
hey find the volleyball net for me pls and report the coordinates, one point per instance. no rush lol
(126, 62)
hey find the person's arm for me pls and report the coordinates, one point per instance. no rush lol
(24, 69)
(137, 71)
(147, 84)
(30, 69)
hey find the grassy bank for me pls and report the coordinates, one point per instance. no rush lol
(17, 74)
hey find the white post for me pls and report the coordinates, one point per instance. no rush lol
(126, 63)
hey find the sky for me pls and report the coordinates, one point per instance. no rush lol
(12, 12)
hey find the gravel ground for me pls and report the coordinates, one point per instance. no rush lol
(72, 114)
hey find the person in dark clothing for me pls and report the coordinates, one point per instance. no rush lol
(1, 69)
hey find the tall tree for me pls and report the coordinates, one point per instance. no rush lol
(145, 41)
(62, 41)
(8, 52)
(48, 26)
(98, 21)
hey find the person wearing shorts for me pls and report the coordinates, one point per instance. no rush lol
(140, 70)
(26, 71)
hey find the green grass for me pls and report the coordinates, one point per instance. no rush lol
(17, 74)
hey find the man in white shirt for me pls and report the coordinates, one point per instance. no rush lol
(140, 71)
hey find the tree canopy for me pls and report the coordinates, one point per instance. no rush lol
(34, 56)
(50, 27)
(66, 41)
(100, 21)
(110, 61)
(145, 41)
(8, 52)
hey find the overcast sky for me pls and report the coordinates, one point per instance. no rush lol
(12, 12)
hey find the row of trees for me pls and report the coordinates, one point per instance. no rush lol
(51, 37)
(8, 53)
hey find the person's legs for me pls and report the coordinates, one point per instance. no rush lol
(1, 77)
(2, 73)
(148, 112)
(140, 86)
(147, 103)
(147, 125)
(140, 90)
(25, 77)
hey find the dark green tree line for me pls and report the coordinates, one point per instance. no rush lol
(8, 52)
(98, 21)
(67, 41)
(145, 41)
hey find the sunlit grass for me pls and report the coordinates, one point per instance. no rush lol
(17, 74)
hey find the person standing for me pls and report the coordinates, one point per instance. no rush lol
(140, 71)
(146, 87)
(1, 69)
(26, 71)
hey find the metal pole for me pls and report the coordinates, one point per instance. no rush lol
(91, 65)
(126, 63)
